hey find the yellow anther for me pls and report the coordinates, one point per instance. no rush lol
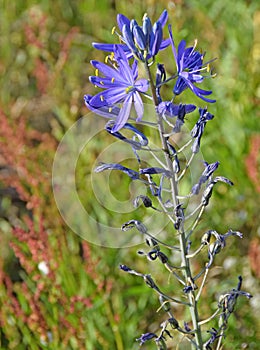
(110, 109)
(106, 59)
(96, 72)
(102, 98)
(112, 80)
(145, 16)
(128, 89)
(113, 30)
(101, 82)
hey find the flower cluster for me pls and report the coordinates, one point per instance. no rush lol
(119, 80)
(141, 42)
(121, 100)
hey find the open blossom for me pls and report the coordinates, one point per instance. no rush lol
(141, 42)
(122, 86)
(189, 69)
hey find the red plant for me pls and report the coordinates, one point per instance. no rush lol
(30, 301)
(25, 160)
(35, 35)
(253, 161)
(254, 256)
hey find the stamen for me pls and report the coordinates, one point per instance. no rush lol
(128, 89)
(102, 98)
(112, 80)
(145, 16)
(113, 30)
(194, 46)
(101, 82)
(96, 72)
(110, 109)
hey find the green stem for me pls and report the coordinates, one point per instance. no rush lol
(114, 327)
(182, 236)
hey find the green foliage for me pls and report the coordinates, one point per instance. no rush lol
(83, 301)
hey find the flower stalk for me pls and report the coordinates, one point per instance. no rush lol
(124, 90)
(183, 246)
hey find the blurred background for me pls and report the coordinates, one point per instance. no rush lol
(57, 290)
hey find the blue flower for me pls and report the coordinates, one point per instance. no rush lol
(121, 84)
(189, 67)
(141, 42)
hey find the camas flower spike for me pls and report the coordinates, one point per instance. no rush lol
(172, 158)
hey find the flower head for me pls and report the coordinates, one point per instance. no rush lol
(189, 69)
(121, 84)
(141, 42)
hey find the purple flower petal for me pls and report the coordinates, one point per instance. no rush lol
(110, 72)
(139, 107)
(135, 69)
(104, 83)
(173, 46)
(123, 114)
(163, 18)
(165, 43)
(108, 97)
(139, 37)
(124, 69)
(129, 38)
(158, 35)
(142, 85)
(122, 20)
(103, 111)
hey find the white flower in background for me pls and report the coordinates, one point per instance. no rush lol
(43, 267)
